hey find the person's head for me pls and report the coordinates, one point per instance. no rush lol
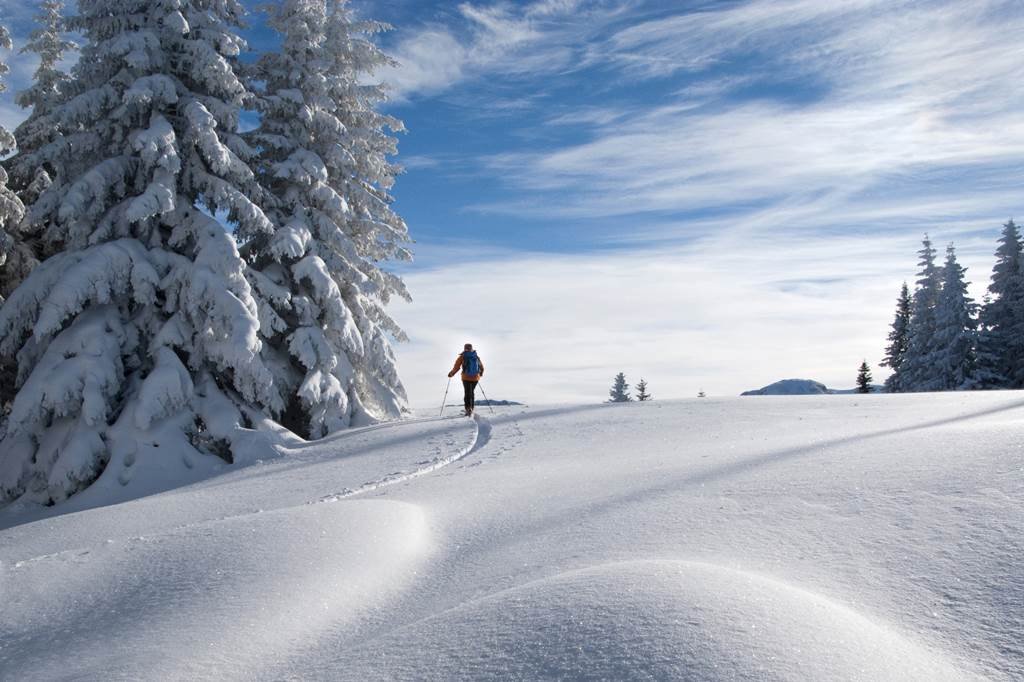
(468, 346)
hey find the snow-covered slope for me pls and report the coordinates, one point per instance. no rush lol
(843, 537)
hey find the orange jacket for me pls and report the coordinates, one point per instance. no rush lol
(467, 377)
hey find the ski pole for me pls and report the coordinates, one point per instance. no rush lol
(481, 385)
(445, 399)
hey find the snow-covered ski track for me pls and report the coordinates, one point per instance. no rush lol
(481, 437)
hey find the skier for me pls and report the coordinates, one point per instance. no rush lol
(472, 371)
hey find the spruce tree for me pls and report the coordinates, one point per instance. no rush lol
(138, 340)
(324, 161)
(864, 378)
(12, 250)
(11, 207)
(896, 351)
(619, 392)
(918, 370)
(955, 329)
(28, 174)
(1002, 317)
(49, 86)
(989, 357)
(641, 391)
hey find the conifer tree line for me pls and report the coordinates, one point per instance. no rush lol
(162, 272)
(942, 340)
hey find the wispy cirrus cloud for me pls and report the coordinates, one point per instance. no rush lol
(510, 39)
(899, 90)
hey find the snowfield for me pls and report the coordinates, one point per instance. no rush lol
(875, 537)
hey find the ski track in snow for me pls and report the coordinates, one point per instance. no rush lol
(480, 439)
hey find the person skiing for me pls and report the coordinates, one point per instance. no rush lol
(472, 371)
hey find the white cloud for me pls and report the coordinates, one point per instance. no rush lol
(419, 162)
(693, 41)
(429, 61)
(900, 92)
(502, 38)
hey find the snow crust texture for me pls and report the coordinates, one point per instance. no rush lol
(871, 537)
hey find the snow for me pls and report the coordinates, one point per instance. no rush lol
(872, 537)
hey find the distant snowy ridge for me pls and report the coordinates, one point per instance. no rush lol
(802, 387)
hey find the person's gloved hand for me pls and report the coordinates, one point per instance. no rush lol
(451, 374)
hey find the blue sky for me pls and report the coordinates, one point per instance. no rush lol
(712, 195)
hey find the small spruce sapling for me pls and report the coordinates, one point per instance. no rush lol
(641, 391)
(864, 378)
(619, 392)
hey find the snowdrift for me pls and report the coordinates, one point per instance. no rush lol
(844, 537)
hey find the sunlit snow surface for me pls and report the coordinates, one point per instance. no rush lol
(798, 538)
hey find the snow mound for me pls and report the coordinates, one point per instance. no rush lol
(183, 604)
(651, 620)
(791, 387)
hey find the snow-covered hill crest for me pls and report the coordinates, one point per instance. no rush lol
(822, 538)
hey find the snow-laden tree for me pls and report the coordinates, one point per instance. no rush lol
(29, 176)
(619, 392)
(12, 248)
(918, 371)
(955, 328)
(139, 338)
(11, 208)
(864, 378)
(896, 351)
(324, 160)
(49, 86)
(1002, 317)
